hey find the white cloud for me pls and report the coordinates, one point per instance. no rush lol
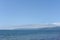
(57, 24)
(33, 26)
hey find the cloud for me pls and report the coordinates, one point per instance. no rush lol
(48, 25)
(57, 24)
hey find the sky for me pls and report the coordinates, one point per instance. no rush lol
(21, 12)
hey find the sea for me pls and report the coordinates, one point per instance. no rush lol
(29, 35)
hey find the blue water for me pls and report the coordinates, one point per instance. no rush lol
(29, 35)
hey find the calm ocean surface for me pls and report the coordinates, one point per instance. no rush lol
(29, 35)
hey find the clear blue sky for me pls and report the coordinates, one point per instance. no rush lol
(20, 12)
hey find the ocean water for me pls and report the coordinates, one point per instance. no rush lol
(29, 35)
